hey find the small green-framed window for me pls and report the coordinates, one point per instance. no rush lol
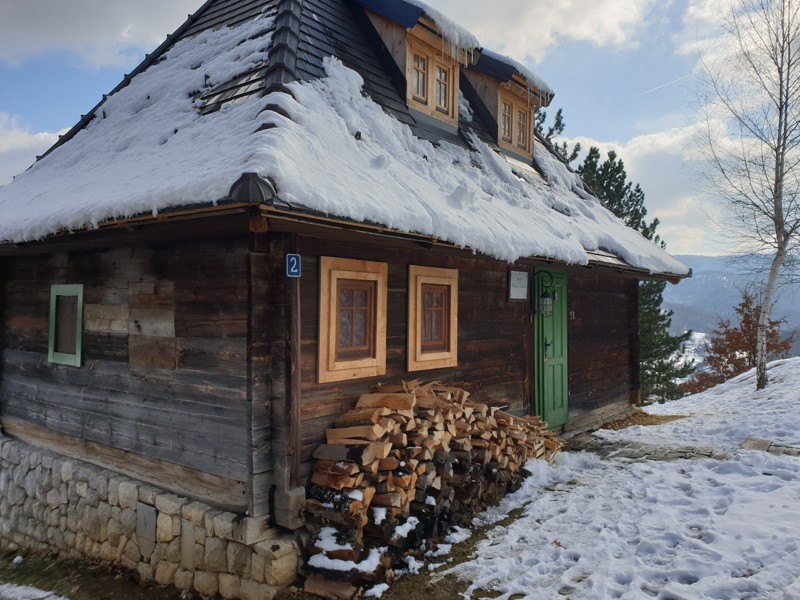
(66, 324)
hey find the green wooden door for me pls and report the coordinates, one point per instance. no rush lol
(550, 349)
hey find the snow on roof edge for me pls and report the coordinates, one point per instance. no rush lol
(524, 71)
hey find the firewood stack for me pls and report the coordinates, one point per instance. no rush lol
(408, 459)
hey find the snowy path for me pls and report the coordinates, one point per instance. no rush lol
(597, 528)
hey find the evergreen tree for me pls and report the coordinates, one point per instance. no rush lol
(552, 132)
(660, 351)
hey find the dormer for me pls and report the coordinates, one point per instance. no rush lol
(511, 94)
(429, 53)
(432, 73)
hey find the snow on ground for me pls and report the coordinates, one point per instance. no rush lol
(595, 528)
(23, 592)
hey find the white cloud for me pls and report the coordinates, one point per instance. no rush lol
(99, 32)
(665, 164)
(526, 29)
(19, 147)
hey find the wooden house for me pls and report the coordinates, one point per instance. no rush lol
(289, 202)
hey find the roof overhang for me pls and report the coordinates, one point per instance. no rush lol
(254, 195)
(399, 11)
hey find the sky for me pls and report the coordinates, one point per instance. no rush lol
(621, 71)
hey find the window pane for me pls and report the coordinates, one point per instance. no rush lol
(506, 121)
(346, 297)
(66, 324)
(442, 88)
(419, 82)
(522, 129)
(359, 328)
(356, 309)
(435, 318)
(359, 298)
(345, 327)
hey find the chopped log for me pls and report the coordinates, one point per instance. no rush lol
(328, 588)
(402, 404)
(361, 416)
(366, 432)
(391, 499)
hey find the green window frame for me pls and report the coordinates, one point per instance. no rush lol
(65, 344)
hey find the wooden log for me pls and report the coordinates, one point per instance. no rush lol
(328, 588)
(361, 416)
(401, 404)
(367, 432)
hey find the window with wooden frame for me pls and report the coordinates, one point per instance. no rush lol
(505, 121)
(432, 318)
(432, 80)
(352, 319)
(523, 132)
(514, 122)
(419, 78)
(66, 325)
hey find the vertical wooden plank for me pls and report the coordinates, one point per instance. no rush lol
(279, 320)
(258, 377)
(632, 289)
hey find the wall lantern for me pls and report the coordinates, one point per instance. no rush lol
(547, 298)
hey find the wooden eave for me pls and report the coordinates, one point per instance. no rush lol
(237, 218)
(228, 218)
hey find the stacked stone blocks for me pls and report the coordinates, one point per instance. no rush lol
(56, 505)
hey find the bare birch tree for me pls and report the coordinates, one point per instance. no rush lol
(750, 93)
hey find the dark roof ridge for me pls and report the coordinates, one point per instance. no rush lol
(149, 59)
(282, 62)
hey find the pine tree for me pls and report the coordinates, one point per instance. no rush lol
(732, 349)
(552, 132)
(661, 364)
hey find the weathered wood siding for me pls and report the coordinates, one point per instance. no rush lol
(602, 313)
(492, 346)
(165, 347)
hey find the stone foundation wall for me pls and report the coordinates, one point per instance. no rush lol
(52, 504)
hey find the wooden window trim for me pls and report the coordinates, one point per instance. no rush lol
(418, 277)
(435, 60)
(329, 366)
(65, 358)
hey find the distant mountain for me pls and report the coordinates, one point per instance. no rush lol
(714, 290)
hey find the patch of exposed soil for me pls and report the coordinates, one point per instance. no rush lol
(84, 580)
(639, 417)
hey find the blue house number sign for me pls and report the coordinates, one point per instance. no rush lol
(293, 265)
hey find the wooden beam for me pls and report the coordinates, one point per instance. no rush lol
(217, 491)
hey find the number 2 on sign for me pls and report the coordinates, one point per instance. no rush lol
(293, 265)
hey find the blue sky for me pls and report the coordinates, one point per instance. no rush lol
(621, 70)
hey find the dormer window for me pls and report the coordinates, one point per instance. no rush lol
(432, 80)
(514, 122)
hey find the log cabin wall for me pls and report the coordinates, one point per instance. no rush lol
(162, 393)
(492, 341)
(602, 313)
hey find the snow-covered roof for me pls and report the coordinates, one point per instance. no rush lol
(329, 149)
